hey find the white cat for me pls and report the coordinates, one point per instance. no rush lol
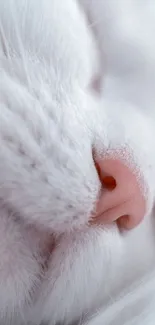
(54, 266)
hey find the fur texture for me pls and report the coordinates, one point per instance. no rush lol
(50, 121)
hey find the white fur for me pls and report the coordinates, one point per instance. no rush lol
(50, 119)
(50, 105)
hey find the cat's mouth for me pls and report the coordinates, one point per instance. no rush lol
(56, 241)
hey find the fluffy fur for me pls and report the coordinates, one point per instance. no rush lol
(50, 121)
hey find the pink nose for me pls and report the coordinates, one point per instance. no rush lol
(121, 199)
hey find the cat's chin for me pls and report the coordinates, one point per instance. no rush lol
(81, 268)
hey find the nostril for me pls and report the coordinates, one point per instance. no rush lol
(109, 182)
(124, 221)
